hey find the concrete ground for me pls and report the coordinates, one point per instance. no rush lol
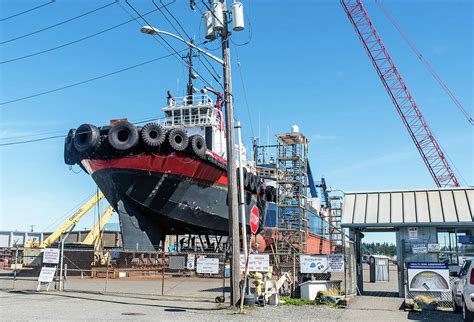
(184, 299)
(378, 288)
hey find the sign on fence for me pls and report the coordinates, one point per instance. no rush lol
(47, 274)
(413, 232)
(206, 265)
(433, 277)
(419, 249)
(313, 263)
(257, 263)
(321, 263)
(190, 261)
(433, 248)
(51, 256)
(336, 263)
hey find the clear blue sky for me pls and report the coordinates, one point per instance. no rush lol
(304, 65)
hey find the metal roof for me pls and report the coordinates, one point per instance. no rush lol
(432, 207)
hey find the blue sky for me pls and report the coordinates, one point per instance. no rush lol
(304, 65)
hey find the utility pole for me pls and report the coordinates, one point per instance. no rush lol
(231, 167)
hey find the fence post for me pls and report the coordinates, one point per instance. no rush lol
(106, 278)
(16, 263)
(163, 274)
(294, 275)
(345, 262)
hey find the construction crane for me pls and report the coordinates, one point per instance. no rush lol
(420, 132)
(95, 236)
(68, 224)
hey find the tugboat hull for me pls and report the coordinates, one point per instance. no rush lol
(159, 194)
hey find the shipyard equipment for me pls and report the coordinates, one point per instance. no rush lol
(68, 224)
(421, 134)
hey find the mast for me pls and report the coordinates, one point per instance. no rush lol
(191, 76)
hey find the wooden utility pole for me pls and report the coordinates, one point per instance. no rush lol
(231, 167)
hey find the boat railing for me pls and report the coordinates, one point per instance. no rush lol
(192, 110)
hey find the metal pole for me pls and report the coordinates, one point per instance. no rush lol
(231, 168)
(63, 239)
(241, 191)
(16, 264)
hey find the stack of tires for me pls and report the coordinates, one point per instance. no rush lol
(123, 138)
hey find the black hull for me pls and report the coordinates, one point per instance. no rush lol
(152, 205)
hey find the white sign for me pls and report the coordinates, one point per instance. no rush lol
(313, 263)
(433, 248)
(47, 274)
(419, 249)
(413, 232)
(257, 263)
(51, 256)
(206, 265)
(433, 277)
(336, 263)
(190, 262)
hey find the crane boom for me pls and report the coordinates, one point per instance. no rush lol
(95, 232)
(420, 132)
(71, 221)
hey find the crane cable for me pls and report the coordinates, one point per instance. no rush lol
(426, 63)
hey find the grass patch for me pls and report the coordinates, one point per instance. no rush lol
(295, 301)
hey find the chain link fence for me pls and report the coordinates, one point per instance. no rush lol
(440, 300)
(171, 274)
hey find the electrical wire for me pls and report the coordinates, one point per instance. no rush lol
(60, 23)
(139, 121)
(178, 56)
(31, 141)
(26, 11)
(243, 87)
(87, 80)
(75, 41)
(426, 63)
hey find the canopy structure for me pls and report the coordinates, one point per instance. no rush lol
(433, 207)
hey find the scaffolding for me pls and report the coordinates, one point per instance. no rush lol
(292, 192)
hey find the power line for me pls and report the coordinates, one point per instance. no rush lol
(215, 76)
(245, 91)
(60, 23)
(26, 11)
(139, 121)
(87, 80)
(426, 63)
(35, 140)
(74, 41)
(178, 56)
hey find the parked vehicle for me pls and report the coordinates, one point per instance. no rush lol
(463, 291)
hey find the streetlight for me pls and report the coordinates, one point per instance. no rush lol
(154, 31)
(219, 24)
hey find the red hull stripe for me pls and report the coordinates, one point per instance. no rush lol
(177, 164)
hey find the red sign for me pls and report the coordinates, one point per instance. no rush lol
(254, 219)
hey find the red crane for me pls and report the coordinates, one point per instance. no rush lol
(393, 82)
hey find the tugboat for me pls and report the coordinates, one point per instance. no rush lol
(169, 176)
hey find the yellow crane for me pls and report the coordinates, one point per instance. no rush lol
(95, 236)
(68, 224)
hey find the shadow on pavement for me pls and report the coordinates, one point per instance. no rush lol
(63, 294)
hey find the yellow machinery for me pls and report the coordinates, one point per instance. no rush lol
(95, 237)
(68, 224)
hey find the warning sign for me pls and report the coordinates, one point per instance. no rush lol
(336, 263)
(206, 265)
(47, 274)
(257, 263)
(51, 256)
